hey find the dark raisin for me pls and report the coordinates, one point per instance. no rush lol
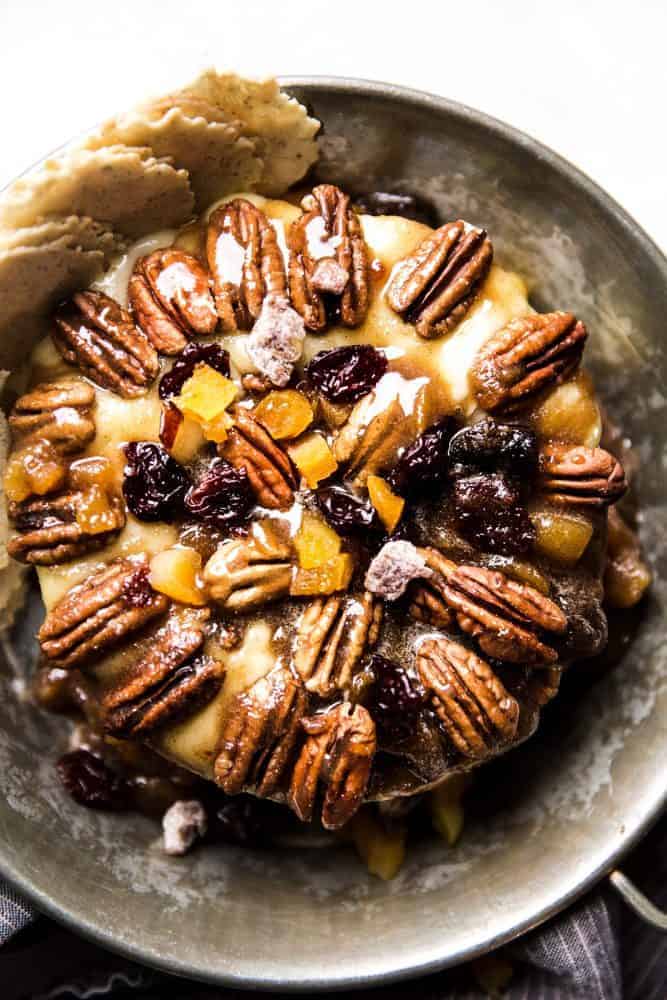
(395, 702)
(409, 206)
(137, 590)
(90, 782)
(489, 512)
(490, 447)
(222, 496)
(155, 484)
(345, 374)
(193, 354)
(347, 513)
(423, 465)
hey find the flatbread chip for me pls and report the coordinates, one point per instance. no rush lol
(281, 128)
(217, 157)
(32, 280)
(85, 233)
(126, 188)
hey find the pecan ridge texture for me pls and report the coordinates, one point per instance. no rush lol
(580, 476)
(248, 446)
(437, 283)
(59, 411)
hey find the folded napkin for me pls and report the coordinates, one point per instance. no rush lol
(597, 950)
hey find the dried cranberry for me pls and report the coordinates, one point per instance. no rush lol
(137, 590)
(193, 354)
(345, 374)
(490, 447)
(222, 496)
(423, 465)
(155, 484)
(90, 782)
(396, 702)
(409, 206)
(345, 512)
(489, 512)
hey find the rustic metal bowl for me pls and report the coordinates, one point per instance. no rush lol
(590, 783)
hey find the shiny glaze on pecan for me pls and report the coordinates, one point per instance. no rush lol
(435, 286)
(59, 412)
(248, 446)
(101, 612)
(55, 529)
(333, 635)
(328, 256)
(95, 333)
(528, 356)
(171, 300)
(580, 476)
(475, 710)
(168, 682)
(260, 734)
(428, 606)
(506, 618)
(247, 572)
(245, 260)
(338, 752)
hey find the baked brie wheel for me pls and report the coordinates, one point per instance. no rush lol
(317, 502)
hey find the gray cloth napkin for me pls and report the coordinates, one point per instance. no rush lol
(597, 950)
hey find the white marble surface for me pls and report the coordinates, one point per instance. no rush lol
(588, 77)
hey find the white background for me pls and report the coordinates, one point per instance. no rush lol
(589, 78)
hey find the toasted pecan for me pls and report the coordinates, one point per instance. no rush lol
(59, 412)
(100, 612)
(95, 333)
(328, 256)
(170, 297)
(580, 476)
(249, 446)
(525, 358)
(245, 260)
(170, 681)
(437, 283)
(338, 752)
(247, 572)
(262, 727)
(333, 635)
(475, 709)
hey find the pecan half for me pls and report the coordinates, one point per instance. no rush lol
(262, 727)
(61, 527)
(428, 606)
(59, 412)
(579, 476)
(100, 612)
(328, 256)
(95, 333)
(169, 682)
(436, 285)
(245, 260)
(528, 356)
(332, 636)
(338, 752)
(381, 424)
(246, 572)
(506, 618)
(476, 711)
(248, 446)
(542, 685)
(170, 297)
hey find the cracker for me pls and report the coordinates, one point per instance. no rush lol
(281, 128)
(85, 233)
(125, 187)
(218, 159)
(32, 280)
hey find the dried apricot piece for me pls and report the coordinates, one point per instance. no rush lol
(388, 505)
(313, 458)
(315, 542)
(285, 413)
(324, 579)
(175, 572)
(561, 535)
